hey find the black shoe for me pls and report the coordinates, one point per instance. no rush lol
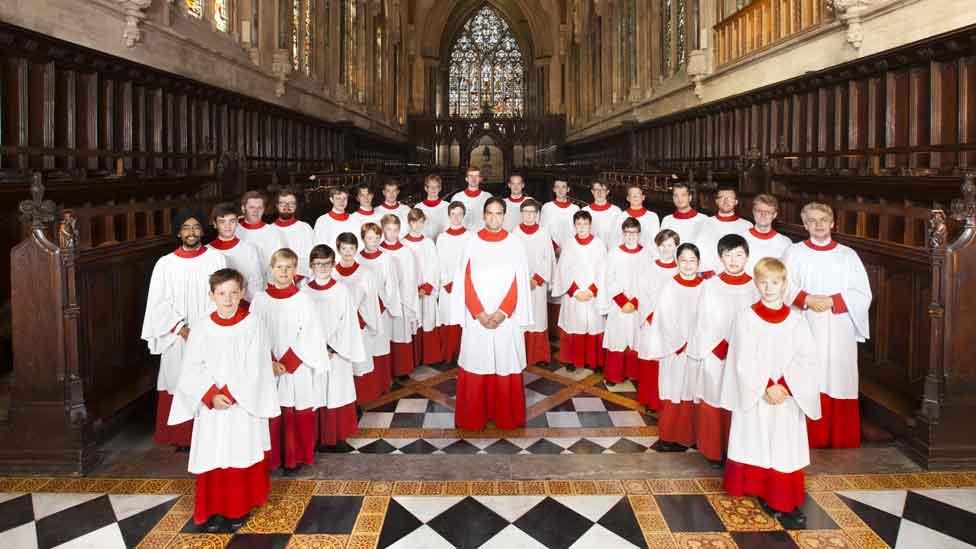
(215, 524)
(183, 449)
(717, 464)
(664, 446)
(233, 525)
(769, 510)
(570, 367)
(797, 516)
(359, 414)
(293, 472)
(341, 447)
(609, 383)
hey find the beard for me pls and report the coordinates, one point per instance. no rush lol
(285, 216)
(191, 242)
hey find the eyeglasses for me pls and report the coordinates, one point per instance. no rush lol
(632, 232)
(321, 264)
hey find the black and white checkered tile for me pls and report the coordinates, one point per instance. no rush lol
(67, 521)
(506, 522)
(579, 411)
(909, 519)
(509, 446)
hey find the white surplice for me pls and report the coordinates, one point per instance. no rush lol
(450, 251)
(237, 357)
(245, 258)
(474, 203)
(513, 212)
(686, 225)
(649, 289)
(408, 273)
(557, 218)
(331, 224)
(266, 238)
(436, 212)
(583, 266)
(764, 435)
(606, 222)
(400, 211)
(363, 291)
(838, 271)
(674, 320)
(650, 226)
(542, 266)
(388, 292)
(179, 293)
(429, 265)
(300, 237)
(625, 268)
(710, 232)
(762, 245)
(336, 312)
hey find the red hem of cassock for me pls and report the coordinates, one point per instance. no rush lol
(230, 492)
(647, 384)
(581, 350)
(676, 422)
(620, 365)
(293, 437)
(403, 359)
(481, 398)
(781, 491)
(337, 424)
(367, 387)
(428, 347)
(712, 430)
(177, 435)
(537, 349)
(383, 368)
(450, 336)
(553, 318)
(839, 426)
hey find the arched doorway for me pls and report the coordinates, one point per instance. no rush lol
(488, 157)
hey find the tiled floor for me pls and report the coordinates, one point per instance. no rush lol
(920, 510)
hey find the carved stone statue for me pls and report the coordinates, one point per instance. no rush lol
(68, 231)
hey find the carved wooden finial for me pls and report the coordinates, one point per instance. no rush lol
(37, 211)
(68, 231)
(937, 230)
(965, 208)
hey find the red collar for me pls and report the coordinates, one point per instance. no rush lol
(516, 200)
(472, 194)
(584, 241)
(529, 229)
(762, 236)
(636, 213)
(288, 223)
(737, 280)
(338, 216)
(346, 271)
(281, 293)
(432, 203)
(413, 238)
(388, 207)
(316, 286)
(361, 211)
(298, 278)
(565, 204)
(598, 208)
(625, 249)
(180, 252)
(224, 244)
(671, 265)
(688, 283)
(371, 255)
(774, 316)
(455, 232)
(826, 248)
(724, 219)
(252, 226)
(488, 236)
(239, 315)
(687, 215)
(387, 246)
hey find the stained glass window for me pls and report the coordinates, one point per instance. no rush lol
(487, 70)
(221, 15)
(667, 28)
(195, 8)
(296, 25)
(682, 16)
(307, 38)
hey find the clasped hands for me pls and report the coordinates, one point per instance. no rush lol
(583, 295)
(221, 402)
(776, 394)
(819, 303)
(491, 321)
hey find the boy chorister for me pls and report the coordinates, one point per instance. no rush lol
(336, 221)
(771, 386)
(557, 215)
(227, 389)
(406, 265)
(365, 214)
(298, 235)
(686, 220)
(241, 256)
(426, 343)
(829, 284)
(627, 263)
(473, 198)
(343, 339)
(674, 321)
(649, 221)
(763, 239)
(542, 263)
(178, 295)
(606, 216)
(266, 238)
(434, 208)
(579, 283)
(371, 381)
(373, 258)
(294, 332)
(722, 297)
(726, 221)
(450, 249)
(662, 270)
(513, 202)
(391, 204)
